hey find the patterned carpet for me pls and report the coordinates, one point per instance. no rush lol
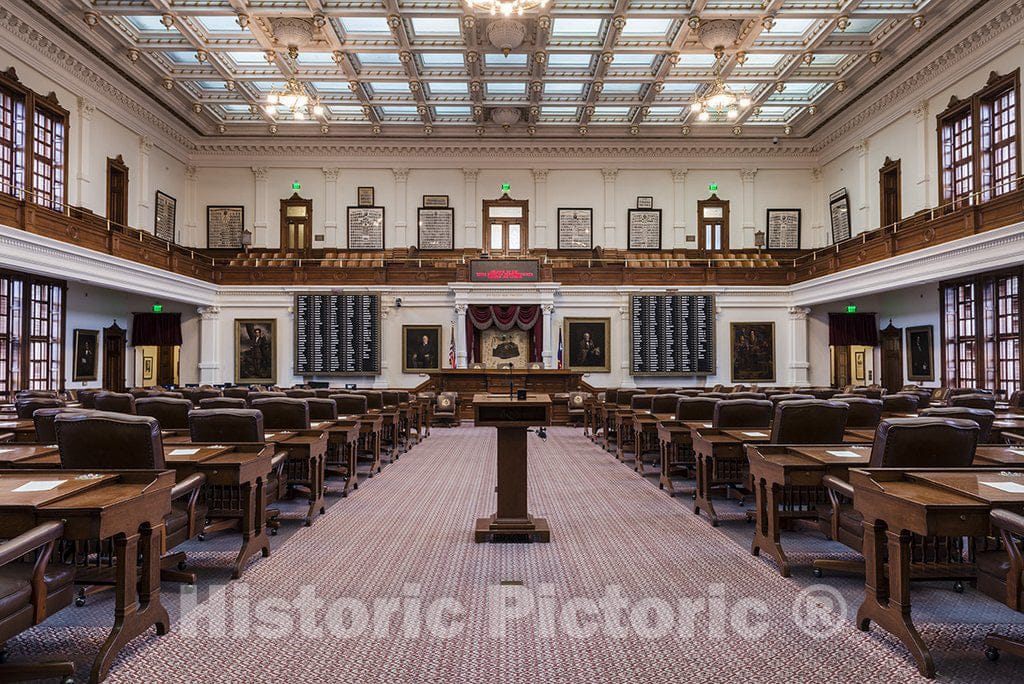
(692, 594)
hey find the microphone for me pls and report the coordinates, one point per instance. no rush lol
(511, 391)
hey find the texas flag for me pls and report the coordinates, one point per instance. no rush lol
(559, 348)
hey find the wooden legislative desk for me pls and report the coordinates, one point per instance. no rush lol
(898, 504)
(23, 430)
(469, 382)
(126, 507)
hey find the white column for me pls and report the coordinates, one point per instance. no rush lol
(145, 217)
(864, 208)
(85, 111)
(625, 347)
(402, 237)
(749, 220)
(331, 208)
(460, 335)
(190, 233)
(678, 209)
(260, 218)
(819, 233)
(923, 179)
(609, 206)
(798, 364)
(540, 211)
(209, 366)
(547, 353)
(469, 176)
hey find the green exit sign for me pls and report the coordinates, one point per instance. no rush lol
(852, 308)
(296, 185)
(713, 187)
(158, 308)
(506, 187)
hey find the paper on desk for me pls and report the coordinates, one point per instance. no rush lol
(707, 424)
(844, 454)
(184, 452)
(1019, 452)
(40, 485)
(1011, 487)
(268, 435)
(315, 425)
(6, 451)
(755, 434)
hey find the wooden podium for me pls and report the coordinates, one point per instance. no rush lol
(512, 521)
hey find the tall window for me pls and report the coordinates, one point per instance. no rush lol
(33, 144)
(981, 332)
(31, 334)
(979, 143)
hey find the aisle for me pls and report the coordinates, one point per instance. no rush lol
(618, 543)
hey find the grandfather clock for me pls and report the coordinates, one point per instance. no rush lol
(891, 339)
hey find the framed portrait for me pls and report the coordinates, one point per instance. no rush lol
(644, 202)
(753, 352)
(365, 227)
(435, 201)
(255, 351)
(86, 349)
(575, 228)
(164, 216)
(435, 228)
(586, 344)
(224, 226)
(858, 366)
(839, 210)
(364, 196)
(783, 229)
(147, 368)
(644, 228)
(920, 353)
(421, 348)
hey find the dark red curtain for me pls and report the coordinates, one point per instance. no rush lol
(845, 329)
(525, 317)
(156, 329)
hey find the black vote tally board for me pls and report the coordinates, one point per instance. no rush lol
(672, 335)
(337, 334)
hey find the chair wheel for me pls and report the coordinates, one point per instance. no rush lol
(3, 655)
(817, 572)
(201, 537)
(661, 485)
(182, 565)
(992, 653)
(958, 587)
(273, 531)
(79, 601)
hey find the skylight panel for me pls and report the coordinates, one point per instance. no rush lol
(365, 25)
(861, 26)
(247, 58)
(447, 87)
(762, 60)
(554, 113)
(212, 85)
(378, 58)
(267, 86)
(827, 60)
(182, 57)
(506, 88)
(398, 110)
(390, 87)
(646, 27)
(562, 88)
(571, 27)
(347, 111)
(610, 112)
(442, 59)
(664, 112)
(220, 24)
(569, 60)
(423, 26)
(633, 59)
(701, 61)
(452, 111)
(496, 59)
(674, 87)
(147, 23)
(790, 27)
(332, 86)
(236, 108)
(315, 58)
(620, 88)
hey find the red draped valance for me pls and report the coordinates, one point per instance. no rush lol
(156, 329)
(525, 317)
(846, 329)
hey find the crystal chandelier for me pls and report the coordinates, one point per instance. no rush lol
(294, 97)
(507, 7)
(719, 99)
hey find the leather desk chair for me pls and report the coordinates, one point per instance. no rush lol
(446, 408)
(350, 404)
(390, 398)
(624, 397)
(204, 393)
(113, 441)
(975, 400)
(43, 419)
(716, 395)
(810, 421)
(748, 395)
(222, 403)
(696, 408)
(172, 395)
(35, 394)
(29, 593)
(253, 396)
(957, 391)
(899, 403)
(689, 392)
(1017, 400)
(236, 392)
(115, 402)
(1001, 576)
(870, 392)
(300, 394)
(374, 400)
(899, 443)
(864, 413)
(776, 399)
(322, 409)
(736, 413)
(27, 406)
(983, 417)
(172, 414)
(282, 413)
(664, 403)
(139, 392)
(577, 406)
(325, 392)
(641, 402)
(611, 396)
(87, 397)
(428, 399)
(718, 388)
(818, 392)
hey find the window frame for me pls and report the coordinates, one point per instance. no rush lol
(20, 341)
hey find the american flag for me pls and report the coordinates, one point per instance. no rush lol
(451, 349)
(559, 348)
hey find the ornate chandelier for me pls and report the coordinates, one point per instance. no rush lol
(507, 7)
(719, 99)
(295, 98)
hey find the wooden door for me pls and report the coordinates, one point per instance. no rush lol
(891, 339)
(713, 224)
(117, 191)
(166, 366)
(840, 367)
(506, 227)
(890, 181)
(296, 224)
(114, 343)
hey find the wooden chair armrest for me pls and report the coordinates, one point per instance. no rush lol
(6, 437)
(35, 538)
(1008, 521)
(190, 485)
(838, 485)
(1008, 437)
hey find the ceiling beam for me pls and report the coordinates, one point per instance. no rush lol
(618, 21)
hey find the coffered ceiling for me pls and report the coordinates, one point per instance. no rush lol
(597, 68)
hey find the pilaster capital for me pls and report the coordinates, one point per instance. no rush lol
(401, 175)
(748, 175)
(540, 175)
(470, 174)
(331, 174)
(209, 313)
(679, 175)
(609, 175)
(798, 313)
(261, 173)
(86, 108)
